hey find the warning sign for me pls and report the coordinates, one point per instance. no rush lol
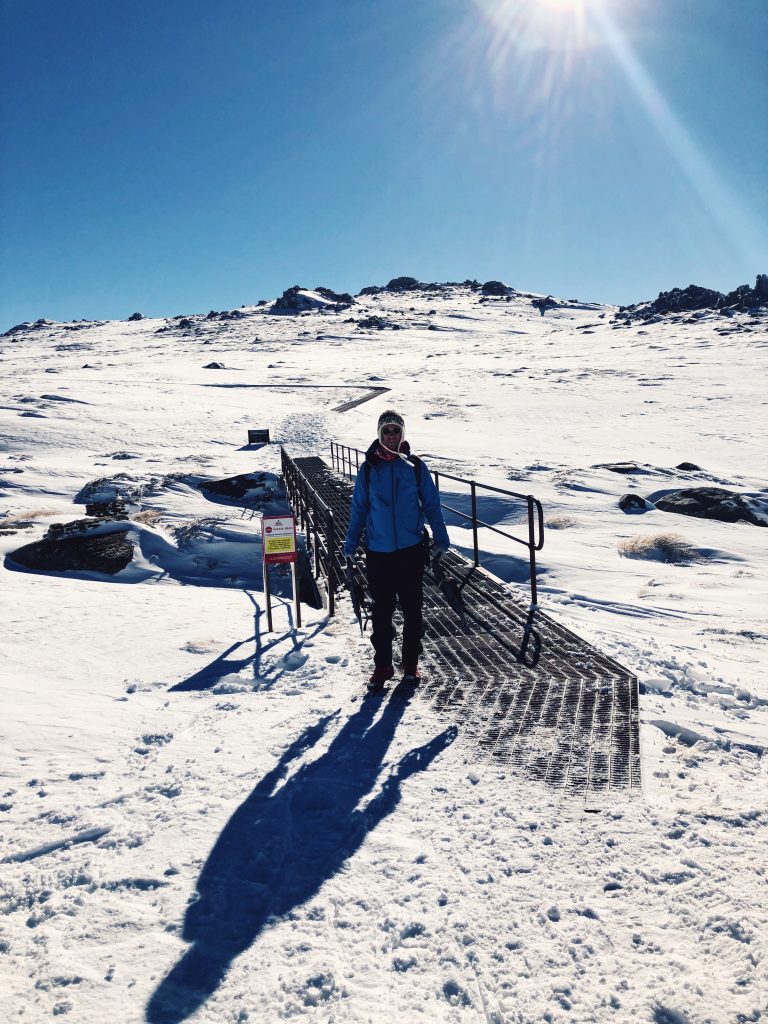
(278, 536)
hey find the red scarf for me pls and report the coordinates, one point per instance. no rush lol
(385, 454)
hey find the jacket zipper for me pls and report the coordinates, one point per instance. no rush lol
(394, 506)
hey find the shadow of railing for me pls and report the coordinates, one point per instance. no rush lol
(225, 664)
(291, 835)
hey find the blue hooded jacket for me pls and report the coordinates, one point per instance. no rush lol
(394, 507)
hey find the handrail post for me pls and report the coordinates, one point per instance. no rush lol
(331, 577)
(474, 522)
(532, 550)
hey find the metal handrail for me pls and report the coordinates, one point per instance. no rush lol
(341, 456)
(316, 521)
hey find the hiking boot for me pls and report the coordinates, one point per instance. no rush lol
(411, 672)
(381, 674)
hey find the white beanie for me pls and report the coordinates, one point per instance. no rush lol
(389, 416)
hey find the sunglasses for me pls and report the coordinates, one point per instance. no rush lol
(391, 430)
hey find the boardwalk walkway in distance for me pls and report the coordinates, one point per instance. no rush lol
(525, 691)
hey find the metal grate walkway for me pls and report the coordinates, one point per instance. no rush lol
(526, 691)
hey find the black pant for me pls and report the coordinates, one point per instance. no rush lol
(393, 575)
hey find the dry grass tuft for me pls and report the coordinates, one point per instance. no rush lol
(26, 517)
(660, 547)
(560, 522)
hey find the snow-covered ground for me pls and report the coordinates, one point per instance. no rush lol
(204, 821)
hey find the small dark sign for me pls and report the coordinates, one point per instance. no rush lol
(258, 437)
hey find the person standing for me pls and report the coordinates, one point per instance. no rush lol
(394, 496)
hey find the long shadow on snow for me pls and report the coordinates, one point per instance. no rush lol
(224, 664)
(284, 843)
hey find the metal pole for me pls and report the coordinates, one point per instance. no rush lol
(296, 602)
(532, 550)
(474, 521)
(267, 596)
(331, 565)
(313, 524)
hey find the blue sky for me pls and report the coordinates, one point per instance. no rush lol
(180, 156)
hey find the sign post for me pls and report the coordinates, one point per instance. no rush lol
(278, 546)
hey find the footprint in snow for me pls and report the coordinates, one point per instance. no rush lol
(293, 661)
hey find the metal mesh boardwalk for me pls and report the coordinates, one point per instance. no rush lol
(525, 691)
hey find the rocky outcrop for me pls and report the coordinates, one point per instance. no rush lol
(377, 323)
(543, 304)
(110, 496)
(404, 284)
(341, 298)
(302, 300)
(251, 490)
(711, 503)
(23, 328)
(106, 553)
(695, 299)
(136, 316)
(496, 288)
(634, 503)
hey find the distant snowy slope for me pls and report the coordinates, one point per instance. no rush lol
(203, 821)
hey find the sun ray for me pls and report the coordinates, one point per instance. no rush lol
(738, 226)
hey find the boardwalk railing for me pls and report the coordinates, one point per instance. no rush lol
(347, 462)
(318, 524)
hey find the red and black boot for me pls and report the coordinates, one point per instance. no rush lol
(381, 674)
(411, 674)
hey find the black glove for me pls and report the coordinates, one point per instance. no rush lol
(437, 558)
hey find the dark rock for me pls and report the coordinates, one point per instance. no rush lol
(619, 467)
(404, 284)
(710, 503)
(257, 490)
(634, 503)
(112, 497)
(262, 302)
(341, 298)
(38, 325)
(375, 323)
(136, 316)
(544, 304)
(17, 329)
(296, 300)
(214, 366)
(371, 289)
(309, 592)
(694, 298)
(689, 467)
(105, 553)
(495, 288)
